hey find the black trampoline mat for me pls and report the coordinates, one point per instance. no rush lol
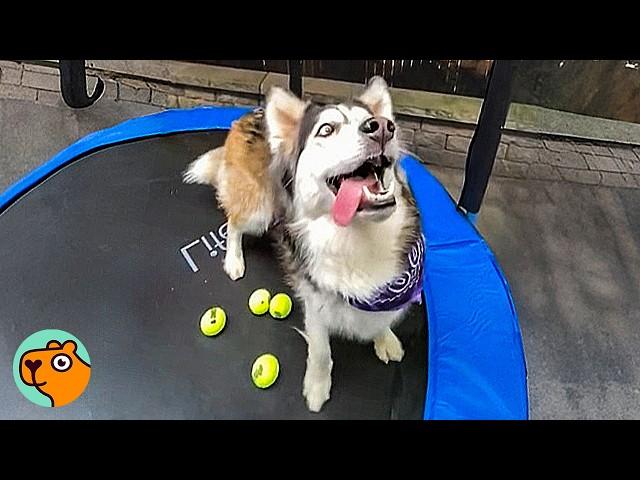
(95, 250)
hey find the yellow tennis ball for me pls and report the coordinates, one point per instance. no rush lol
(280, 305)
(259, 301)
(265, 370)
(213, 321)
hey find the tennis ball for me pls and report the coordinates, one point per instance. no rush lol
(265, 370)
(259, 301)
(213, 321)
(280, 305)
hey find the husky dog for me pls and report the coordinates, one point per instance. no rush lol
(345, 221)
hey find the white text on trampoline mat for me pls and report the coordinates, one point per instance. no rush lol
(211, 242)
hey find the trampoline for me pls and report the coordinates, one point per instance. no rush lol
(106, 242)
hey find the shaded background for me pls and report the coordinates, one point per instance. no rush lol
(599, 88)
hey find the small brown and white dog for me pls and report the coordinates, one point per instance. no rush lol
(348, 229)
(240, 172)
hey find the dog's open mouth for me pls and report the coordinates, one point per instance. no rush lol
(361, 190)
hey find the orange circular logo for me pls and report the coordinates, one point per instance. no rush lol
(51, 368)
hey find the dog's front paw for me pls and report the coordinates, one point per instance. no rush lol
(388, 347)
(234, 267)
(316, 390)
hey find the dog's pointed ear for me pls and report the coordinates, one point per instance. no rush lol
(377, 97)
(283, 116)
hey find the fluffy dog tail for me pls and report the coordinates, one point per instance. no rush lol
(205, 169)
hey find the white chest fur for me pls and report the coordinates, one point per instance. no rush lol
(340, 318)
(356, 260)
(353, 262)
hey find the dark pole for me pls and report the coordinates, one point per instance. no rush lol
(486, 138)
(73, 84)
(295, 77)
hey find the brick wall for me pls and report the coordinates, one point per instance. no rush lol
(523, 155)
(443, 144)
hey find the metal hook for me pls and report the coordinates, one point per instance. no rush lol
(73, 84)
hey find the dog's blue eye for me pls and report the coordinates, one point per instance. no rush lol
(325, 130)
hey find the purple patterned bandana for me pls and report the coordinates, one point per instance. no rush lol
(406, 288)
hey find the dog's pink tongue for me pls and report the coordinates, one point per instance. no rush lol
(348, 199)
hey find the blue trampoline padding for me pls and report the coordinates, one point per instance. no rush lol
(476, 360)
(477, 365)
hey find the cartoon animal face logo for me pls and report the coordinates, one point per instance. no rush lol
(56, 371)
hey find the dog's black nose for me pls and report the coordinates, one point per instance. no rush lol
(378, 129)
